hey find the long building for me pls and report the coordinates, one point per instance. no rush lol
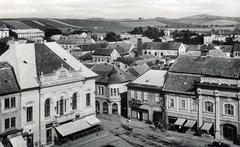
(56, 98)
(202, 94)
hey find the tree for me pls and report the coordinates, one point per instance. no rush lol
(111, 37)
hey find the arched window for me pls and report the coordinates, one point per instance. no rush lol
(47, 108)
(208, 106)
(114, 109)
(74, 101)
(105, 108)
(229, 109)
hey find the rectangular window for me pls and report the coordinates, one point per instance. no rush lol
(7, 126)
(118, 91)
(99, 91)
(13, 102)
(172, 103)
(115, 92)
(29, 114)
(57, 107)
(139, 96)
(102, 88)
(157, 98)
(183, 104)
(88, 99)
(111, 92)
(6, 104)
(13, 122)
(194, 104)
(145, 98)
(65, 105)
(132, 93)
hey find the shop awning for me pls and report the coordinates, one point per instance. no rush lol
(18, 141)
(206, 126)
(1, 145)
(73, 127)
(190, 123)
(92, 120)
(180, 121)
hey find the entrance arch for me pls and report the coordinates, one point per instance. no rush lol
(97, 107)
(115, 109)
(229, 132)
(105, 107)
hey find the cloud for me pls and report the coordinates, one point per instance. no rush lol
(116, 8)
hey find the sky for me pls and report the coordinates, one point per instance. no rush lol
(117, 8)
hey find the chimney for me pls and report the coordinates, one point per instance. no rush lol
(139, 46)
(204, 50)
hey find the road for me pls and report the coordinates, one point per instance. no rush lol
(142, 135)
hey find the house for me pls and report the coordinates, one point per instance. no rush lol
(21, 30)
(110, 84)
(161, 49)
(69, 42)
(236, 50)
(201, 92)
(10, 126)
(145, 96)
(105, 55)
(123, 47)
(56, 91)
(4, 31)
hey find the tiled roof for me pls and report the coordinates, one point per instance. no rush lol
(8, 81)
(47, 61)
(207, 47)
(207, 65)
(103, 52)
(29, 60)
(138, 70)
(161, 45)
(110, 75)
(236, 47)
(181, 83)
(192, 47)
(152, 78)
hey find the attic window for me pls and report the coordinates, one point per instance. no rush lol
(235, 75)
(64, 59)
(147, 80)
(24, 61)
(6, 81)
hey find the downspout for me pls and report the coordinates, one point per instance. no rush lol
(39, 115)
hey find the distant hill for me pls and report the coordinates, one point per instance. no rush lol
(124, 25)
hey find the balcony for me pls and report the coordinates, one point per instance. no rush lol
(135, 102)
(64, 117)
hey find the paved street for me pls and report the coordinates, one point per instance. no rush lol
(142, 136)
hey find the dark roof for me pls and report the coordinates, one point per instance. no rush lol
(8, 81)
(92, 47)
(236, 31)
(207, 47)
(47, 61)
(192, 47)
(236, 47)
(207, 65)
(103, 52)
(181, 83)
(161, 45)
(122, 51)
(109, 74)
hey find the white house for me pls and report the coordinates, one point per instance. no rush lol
(57, 91)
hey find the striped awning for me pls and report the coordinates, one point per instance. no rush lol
(190, 123)
(206, 126)
(180, 121)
